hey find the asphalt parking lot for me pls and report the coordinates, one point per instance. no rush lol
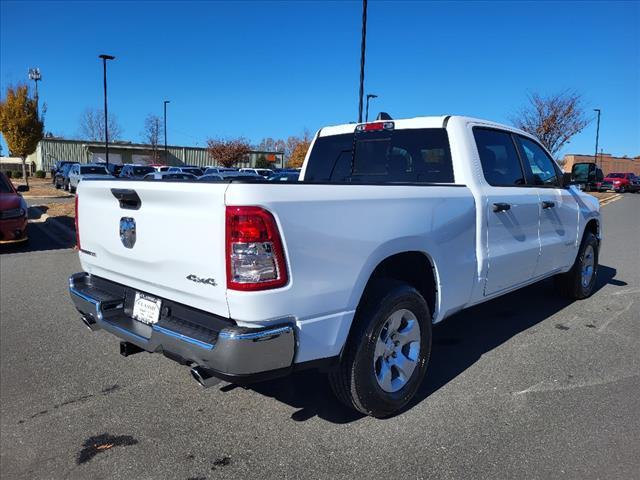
(526, 386)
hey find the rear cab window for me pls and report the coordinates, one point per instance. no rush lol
(499, 158)
(415, 156)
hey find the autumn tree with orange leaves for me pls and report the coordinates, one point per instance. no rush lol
(228, 152)
(553, 119)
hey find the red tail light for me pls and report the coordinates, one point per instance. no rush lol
(255, 257)
(77, 224)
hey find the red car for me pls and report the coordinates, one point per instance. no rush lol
(13, 212)
(621, 182)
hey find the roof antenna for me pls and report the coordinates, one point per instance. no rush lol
(384, 116)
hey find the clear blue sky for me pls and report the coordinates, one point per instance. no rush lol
(261, 69)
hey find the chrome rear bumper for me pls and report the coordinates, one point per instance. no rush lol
(226, 350)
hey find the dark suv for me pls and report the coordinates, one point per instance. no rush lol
(58, 168)
(61, 178)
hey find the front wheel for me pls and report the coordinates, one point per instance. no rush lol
(386, 356)
(579, 282)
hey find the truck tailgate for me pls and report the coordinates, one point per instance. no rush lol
(179, 248)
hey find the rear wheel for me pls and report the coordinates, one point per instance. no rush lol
(578, 283)
(385, 358)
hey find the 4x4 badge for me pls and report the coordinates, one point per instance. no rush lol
(206, 281)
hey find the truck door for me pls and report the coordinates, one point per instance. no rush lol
(511, 209)
(558, 208)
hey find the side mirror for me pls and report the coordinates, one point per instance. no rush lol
(567, 178)
(22, 188)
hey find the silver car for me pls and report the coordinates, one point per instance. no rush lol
(85, 172)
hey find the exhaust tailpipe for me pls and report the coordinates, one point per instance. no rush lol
(204, 377)
(90, 323)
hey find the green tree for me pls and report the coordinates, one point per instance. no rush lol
(263, 162)
(19, 124)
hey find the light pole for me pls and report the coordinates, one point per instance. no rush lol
(369, 96)
(597, 135)
(166, 162)
(362, 55)
(34, 74)
(106, 116)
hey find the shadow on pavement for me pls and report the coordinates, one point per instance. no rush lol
(458, 343)
(44, 235)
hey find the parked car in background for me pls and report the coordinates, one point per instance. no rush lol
(239, 174)
(13, 212)
(634, 183)
(263, 172)
(132, 170)
(197, 171)
(61, 180)
(160, 168)
(58, 168)
(284, 177)
(396, 226)
(212, 177)
(621, 182)
(217, 170)
(587, 176)
(169, 176)
(605, 185)
(86, 172)
(114, 168)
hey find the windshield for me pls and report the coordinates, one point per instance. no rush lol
(616, 175)
(93, 170)
(391, 156)
(4, 185)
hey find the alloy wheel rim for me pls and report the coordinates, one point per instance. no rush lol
(588, 266)
(397, 350)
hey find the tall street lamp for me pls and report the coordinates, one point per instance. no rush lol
(597, 135)
(166, 162)
(362, 55)
(369, 96)
(106, 116)
(34, 74)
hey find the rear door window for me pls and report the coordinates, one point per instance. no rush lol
(500, 163)
(390, 156)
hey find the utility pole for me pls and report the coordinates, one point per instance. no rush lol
(597, 135)
(362, 56)
(106, 115)
(166, 157)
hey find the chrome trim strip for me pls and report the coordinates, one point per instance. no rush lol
(85, 297)
(127, 332)
(166, 331)
(254, 335)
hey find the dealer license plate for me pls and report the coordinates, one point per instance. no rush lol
(146, 309)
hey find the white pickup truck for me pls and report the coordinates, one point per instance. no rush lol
(394, 226)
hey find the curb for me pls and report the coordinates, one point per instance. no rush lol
(26, 197)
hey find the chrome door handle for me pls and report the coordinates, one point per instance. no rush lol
(501, 207)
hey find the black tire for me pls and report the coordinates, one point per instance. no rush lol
(354, 379)
(570, 284)
(66, 186)
(57, 186)
(72, 189)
